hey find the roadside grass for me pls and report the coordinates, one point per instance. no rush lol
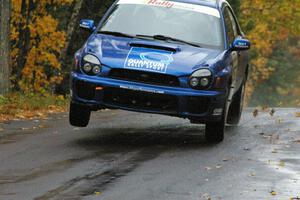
(20, 106)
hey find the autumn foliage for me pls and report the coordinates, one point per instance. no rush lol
(267, 24)
(37, 41)
(36, 44)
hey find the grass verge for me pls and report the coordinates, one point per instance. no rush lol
(20, 106)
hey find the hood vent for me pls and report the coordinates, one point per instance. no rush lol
(174, 50)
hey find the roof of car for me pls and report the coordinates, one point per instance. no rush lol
(210, 3)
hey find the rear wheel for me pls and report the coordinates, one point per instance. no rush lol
(236, 107)
(79, 115)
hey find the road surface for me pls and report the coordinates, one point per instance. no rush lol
(132, 156)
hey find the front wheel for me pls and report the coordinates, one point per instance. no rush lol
(214, 131)
(79, 115)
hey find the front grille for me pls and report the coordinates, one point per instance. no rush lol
(145, 77)
(85, 90)
(198, 105)
(140, 100)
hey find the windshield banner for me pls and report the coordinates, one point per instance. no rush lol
(172, 4)
(148, 60)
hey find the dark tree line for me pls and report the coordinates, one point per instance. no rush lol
(5, 9)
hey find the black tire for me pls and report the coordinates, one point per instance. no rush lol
(79, 115)
(214, 131)
(236, 107)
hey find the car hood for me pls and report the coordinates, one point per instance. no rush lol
(149, 55)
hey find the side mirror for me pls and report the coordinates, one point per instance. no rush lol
(240, 44)
(87, 24)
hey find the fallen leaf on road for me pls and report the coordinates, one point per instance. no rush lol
(42, 126)
(252, 174)
(295, 141)
(273, 193)
(281, 163)
(206, 196)
(274, 151)
(218, 166)
(255, 113)
(246, 149)
(297, 114)
(97, 193)
(1, 129)
(272, 112)
(225, 159)
(295, 198)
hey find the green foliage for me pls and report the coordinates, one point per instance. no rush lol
(3, 100)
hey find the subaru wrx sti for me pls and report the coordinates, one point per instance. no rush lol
(183, 58)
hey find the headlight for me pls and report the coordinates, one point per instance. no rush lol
(87, 67)
(91, 65)
(201, 79)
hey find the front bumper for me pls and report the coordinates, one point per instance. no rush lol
(102, 92)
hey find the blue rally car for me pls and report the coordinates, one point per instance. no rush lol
(183, 58)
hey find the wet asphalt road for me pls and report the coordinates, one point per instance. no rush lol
(132, 156)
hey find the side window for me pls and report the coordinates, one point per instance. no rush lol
(231, 28)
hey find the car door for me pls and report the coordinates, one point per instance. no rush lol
(232, 33)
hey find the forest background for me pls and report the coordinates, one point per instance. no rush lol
(39, 37)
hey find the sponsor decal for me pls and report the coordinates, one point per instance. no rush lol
(242, 45)
(175, 5)
(142, 89)
(148, 60)
(167, 4)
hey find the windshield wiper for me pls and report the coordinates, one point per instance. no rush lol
(114, 33)
(166, 38)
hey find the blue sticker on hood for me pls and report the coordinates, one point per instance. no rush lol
(148, 60)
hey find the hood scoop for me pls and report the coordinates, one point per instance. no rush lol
(151, 46)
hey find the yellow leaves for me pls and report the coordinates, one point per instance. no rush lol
(297, 114)
(42, 66)
(266, 23)
(281, 163)
(273, 193)
(97, 193)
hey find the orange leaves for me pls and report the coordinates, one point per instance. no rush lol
(267, 23)
(42, 66)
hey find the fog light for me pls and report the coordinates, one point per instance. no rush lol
(204, 82)
(218, 111)
(194, 82)
(87, 67)
(96, 69)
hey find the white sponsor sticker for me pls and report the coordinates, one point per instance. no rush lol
(178, 5)
(142, 89)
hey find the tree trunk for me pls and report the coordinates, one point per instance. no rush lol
(73, 23)
(5, 10)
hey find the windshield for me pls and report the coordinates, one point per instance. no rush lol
(192, 23)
